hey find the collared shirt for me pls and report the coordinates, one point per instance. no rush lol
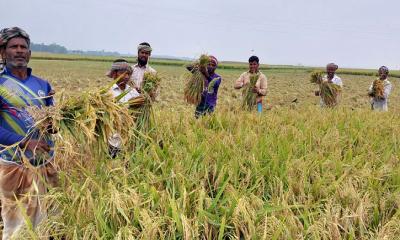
(138, 73)
(335, 80)
(209, 96)
(131, 93)
(15, 121)
(379, 104)
(115, 140)
(261, 83)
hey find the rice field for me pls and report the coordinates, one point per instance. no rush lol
(293, 172)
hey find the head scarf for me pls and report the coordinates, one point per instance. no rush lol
(118, 66)
(8, 33)
(333, 65)
(144, 48)
(384, 69)
(214, 59)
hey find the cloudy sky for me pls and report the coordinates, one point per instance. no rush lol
(353, 33)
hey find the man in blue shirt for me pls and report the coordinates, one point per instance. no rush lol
(20, 141)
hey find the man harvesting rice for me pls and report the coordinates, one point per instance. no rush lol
(330, 87)
(142, 66)
(121, 72)
(379, 90)
(211, 85)
(25, 153)
(255, 84)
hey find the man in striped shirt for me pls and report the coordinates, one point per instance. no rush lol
(21, 182)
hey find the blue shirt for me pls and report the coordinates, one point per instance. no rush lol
(210, 94)
(15, 122)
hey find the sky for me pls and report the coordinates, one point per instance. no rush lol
(351, 33)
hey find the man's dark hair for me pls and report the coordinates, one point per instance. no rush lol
(254, 59)
(145, 44)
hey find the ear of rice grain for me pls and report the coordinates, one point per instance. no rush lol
(249, 97)
(195, 83)
(316, 77)
(378, 89)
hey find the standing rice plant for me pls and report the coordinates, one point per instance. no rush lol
(249, 96)
(195, 82)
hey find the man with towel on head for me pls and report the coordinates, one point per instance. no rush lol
(380, 103)
(142, 67)
(211, 86)
(26, 166)
(331, 77)
(121, 71)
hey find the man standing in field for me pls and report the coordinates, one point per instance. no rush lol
(142, 66)
(258, 82)
(330, 78)
(211, 85)
(120, 70)
(379, 91)
(26, 155)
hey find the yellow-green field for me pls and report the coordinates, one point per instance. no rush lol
(293, 172)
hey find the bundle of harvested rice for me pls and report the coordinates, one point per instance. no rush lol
(378, 89)
(250, 97)
(151, 83)
(316, 77)
(144, 120)
(329, 93)
(89, 118)
(136, 102)
(195, 83)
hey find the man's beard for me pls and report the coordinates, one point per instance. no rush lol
(15, 64)
(142, 62)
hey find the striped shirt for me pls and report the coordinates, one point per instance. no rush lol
(15, 122)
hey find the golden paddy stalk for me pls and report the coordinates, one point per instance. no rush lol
(249, 97)
(378, 89)
(144, 120)
(328, 91)
(195, 82)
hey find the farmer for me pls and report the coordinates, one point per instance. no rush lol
(26, 166)
(142, 66)
(260, 87)
(211, 85)
(380, 103)
(331, 77)
(122, 71)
